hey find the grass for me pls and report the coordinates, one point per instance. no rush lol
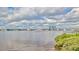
(67, 42)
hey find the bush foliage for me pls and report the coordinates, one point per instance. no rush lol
(67, 42)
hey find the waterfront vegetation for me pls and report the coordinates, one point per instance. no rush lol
(67, 42)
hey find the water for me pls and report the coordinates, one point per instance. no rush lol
(28, 40)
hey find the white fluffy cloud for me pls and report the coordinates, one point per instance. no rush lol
(32, 13)
(20, 15)
(73, 15)
(3, 13)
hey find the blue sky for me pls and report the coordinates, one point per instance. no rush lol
(17, 15)
(66, 10)
(39, 16)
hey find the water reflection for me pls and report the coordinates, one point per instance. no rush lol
(27, 40)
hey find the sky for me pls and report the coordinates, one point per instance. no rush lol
(13, 16)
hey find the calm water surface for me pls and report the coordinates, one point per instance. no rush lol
(28, 40)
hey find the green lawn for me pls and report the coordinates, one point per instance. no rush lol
(67, 42)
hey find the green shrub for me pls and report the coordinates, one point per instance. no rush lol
(68, 42)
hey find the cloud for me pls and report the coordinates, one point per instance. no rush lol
(73, 15)
(32, 13)
(20, 16)
(37, 13)
(3, 12)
